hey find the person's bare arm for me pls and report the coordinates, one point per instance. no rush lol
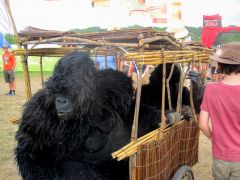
(14, 62)
(204, 124)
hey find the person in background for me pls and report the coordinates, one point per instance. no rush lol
(221, 104)
(9, 63)
(213, 71)
(216, 76)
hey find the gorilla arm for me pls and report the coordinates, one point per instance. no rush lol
(48, 148)
(198, 91)
(31, 154)
(98, 147)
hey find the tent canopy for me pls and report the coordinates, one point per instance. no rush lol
(3, 41)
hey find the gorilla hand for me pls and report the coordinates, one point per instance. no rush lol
(198, 89)
(195, 78)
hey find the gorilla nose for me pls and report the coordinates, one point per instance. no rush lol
(63, 105)
(62, 100)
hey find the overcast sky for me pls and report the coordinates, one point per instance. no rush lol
(68, 14)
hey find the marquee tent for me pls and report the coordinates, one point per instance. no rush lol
(3, 40)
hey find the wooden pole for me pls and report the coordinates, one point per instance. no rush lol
(28, 92)
(106, 64)
(149, 40)
(163, 117)
(85, 41)
(153, 39)
(115, 60)
(168, 87)
(191, 97)
(41, 70)
(133, 158)
(180, 89)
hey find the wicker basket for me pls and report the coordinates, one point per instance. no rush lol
(177, 147)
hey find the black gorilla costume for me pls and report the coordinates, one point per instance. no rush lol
(151, 97)
(70, 128)
(152, 92)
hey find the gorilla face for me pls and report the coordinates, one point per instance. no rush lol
(73, 84)
(64, 107)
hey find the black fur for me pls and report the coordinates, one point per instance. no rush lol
(70, 128)
(151, 98)
(77, 144)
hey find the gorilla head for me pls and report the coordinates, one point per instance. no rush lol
(156, 76)
(73, 85)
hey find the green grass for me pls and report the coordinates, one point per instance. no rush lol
(48, 63)
(31, 73)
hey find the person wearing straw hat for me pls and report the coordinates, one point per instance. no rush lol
(9, 63)
(221, 104)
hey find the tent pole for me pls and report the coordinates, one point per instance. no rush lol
(28, 92)
(41, 69)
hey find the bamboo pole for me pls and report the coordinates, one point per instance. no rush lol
(132, 147)
(116, 32)
(191, 99)
(41, 70)
(180, 89)
(156, 38)
(105, 60)
(83, 40)
(172, 52)
(132, 160)
(156, 61)
(163, 117)
(161, 46)
(167, 56)
(168, 87)
(143, 138)
(24, 64)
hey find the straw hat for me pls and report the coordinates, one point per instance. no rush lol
(229, 53)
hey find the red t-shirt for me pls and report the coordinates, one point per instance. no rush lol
(8, 61)
(222, 102)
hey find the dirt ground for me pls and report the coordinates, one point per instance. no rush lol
(10, 107)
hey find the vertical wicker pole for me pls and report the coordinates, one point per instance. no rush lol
(41, 69)
(116, 61)
(180, 88)
(191, 96)
(138, 96)
(28, 92)
(163, 117)
(105, 61)
(133, 159)
(168, 87)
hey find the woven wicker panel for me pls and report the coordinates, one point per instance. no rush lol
(161, 159)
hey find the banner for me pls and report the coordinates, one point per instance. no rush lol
(157, 10)
(154, 9)
(212, 21)
(100, 3)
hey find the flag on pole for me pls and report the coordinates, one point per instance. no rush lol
(100, 3)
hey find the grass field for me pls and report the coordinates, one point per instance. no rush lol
(48, 64)
(34, 63)
(11, 108)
